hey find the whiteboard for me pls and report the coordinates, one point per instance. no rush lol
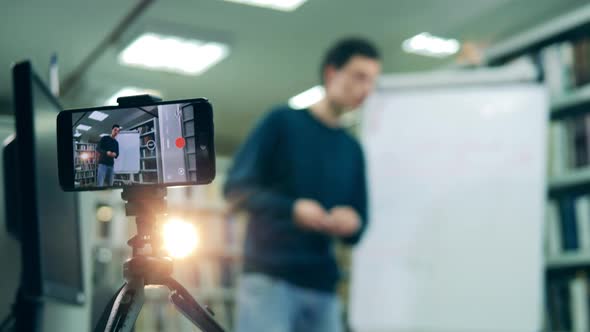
(457, 185)
(128, 160)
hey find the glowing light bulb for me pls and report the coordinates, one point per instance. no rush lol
(180, 238)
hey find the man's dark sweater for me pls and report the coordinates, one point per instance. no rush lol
(107, 143)
(292, 155)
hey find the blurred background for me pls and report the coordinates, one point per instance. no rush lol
(268, 54)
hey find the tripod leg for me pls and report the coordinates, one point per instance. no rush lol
(190, 308)
(126, 307)
(101, 325)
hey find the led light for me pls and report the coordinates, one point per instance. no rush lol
(429, 45)
(180, 238)
(131, 91)
(173, 54)
(282, 5)
(307, 98)
(77, 134)
(104, 213)
(98, 116)
(83, 127)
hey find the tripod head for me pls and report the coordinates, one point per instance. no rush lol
(153, 266)
(145, 204)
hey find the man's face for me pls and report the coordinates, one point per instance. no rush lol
(349, 86)
(115, 132)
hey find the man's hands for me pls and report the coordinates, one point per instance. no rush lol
(111, 154)
(309, 214)
(339, 221)
(343, 221)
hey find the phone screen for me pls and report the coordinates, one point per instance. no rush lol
(147, 145)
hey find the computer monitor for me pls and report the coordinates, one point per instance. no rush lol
(44, 216)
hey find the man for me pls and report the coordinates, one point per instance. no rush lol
(302, 179)
(108, 147)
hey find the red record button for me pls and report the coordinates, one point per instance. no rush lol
(180, 142)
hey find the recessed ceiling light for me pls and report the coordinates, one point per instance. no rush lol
(173, 54)
(429, 45)
(131, 91)
(283, 5)
(307, 98)
(98, 116)
(83, 127)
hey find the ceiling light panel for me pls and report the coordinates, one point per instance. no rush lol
(173, 54)
(432, 46)
(98, 116)
(282, 5)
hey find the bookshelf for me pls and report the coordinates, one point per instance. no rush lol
(561, 48)
(188, 132)
(562, 28)
(85, 163)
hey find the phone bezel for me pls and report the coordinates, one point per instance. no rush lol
(204, 131)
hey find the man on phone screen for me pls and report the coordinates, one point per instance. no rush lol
(108, 147)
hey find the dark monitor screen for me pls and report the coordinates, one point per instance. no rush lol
(49, 230)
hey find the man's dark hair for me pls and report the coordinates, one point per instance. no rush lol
(115, 126)
(339, 54)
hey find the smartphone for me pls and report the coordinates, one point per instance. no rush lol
(167, 143)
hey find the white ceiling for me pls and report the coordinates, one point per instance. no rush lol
(274, 55)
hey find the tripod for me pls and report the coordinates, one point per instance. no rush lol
(149, 269)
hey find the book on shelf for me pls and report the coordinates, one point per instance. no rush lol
(568, 303)
(556, 77)
(578, 288)
(569, 148)
(583, 222)
(558, 149)
(581, 62)
(578, 141)
(559, 305)
(568, 225)
(553, 245)
(566, 65)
